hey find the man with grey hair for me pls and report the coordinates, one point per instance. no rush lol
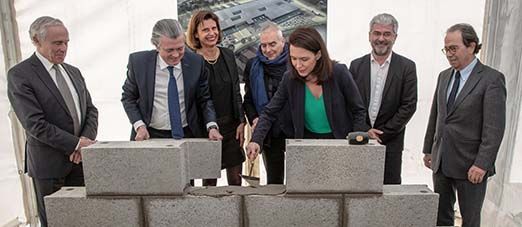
(51, 100)
(262, 76)
(166, 92)
(465, 128)
(387, 83)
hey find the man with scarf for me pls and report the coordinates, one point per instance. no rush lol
(262, 76)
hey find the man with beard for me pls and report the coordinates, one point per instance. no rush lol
(387, 83)
(262, 76)
(465, 128)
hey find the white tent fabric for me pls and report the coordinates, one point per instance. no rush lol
(103, 33)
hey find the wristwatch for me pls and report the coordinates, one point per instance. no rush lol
(212, 127)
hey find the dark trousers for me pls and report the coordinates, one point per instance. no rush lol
(470, 196)
(274, 159)
(47, 186)
(392, 168)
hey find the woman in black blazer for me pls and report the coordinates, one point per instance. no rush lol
(322, 96)
(203, 35)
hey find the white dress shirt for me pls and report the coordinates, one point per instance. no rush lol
(160, 118)
(378, 75)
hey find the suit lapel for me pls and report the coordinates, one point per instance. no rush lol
(473, 79)
(328, 99)
(394, 67)
(46, 79)
(188, 73)
(150, 79)
(366, 78)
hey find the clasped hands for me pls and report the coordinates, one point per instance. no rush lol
(76, 156)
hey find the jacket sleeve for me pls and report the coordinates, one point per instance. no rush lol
(131, 94)
(248, 103)
(432, 123)
(203, 96)
(353, 100)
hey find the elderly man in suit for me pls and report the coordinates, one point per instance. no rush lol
(51, 101)
(387, 83)
(465, 128)
(166, 92)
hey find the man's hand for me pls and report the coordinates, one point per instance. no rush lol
(76, 157)
(427, 160)
(476, 174)
(214, 134)
(240, 134)
(85, 142)
(253, 150)
(142, 133)
(374, 134)
(254, 123)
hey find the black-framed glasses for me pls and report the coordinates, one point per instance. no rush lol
(450, 49)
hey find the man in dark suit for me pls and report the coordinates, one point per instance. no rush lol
(166, 91)
(388, 86)
(465, 128)
(51, 101)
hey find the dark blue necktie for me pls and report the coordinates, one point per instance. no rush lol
(454, 89)
(174, 109)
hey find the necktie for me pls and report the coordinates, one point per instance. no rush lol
(67, 97)
(174, 108)
(454, 89)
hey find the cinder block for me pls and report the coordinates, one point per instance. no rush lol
(70, 207)
(193, 211)
(293, 210)
(333, 166)
(399, 205)
(152, 167)
(204, 158)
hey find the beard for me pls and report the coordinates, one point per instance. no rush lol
(382, 48)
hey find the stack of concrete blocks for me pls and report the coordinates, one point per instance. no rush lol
(329, 183)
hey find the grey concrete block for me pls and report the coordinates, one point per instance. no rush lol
(193, 211)
(152, 167)
(293, 210)
(70, 207)
(204, 158)
(333, 166)
(399, 205)
(272, 189)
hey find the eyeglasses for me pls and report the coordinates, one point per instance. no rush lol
(386, 35)
(451, 49)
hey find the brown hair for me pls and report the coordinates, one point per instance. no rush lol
(195, 20)
(468, 35)
(309, 39)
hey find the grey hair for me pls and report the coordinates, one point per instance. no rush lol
(38, 29)
(386, 19)
(270, 26)
(169, 28)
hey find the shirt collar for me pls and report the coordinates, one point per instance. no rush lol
(388, 59)
(163, 65)
(46, 63)
(466, 71)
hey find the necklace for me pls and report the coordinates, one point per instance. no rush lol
(213, 60)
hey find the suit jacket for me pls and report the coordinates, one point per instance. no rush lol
(399, 97)
(230, 61)
(344, 108)
(471, 132)
(48, 125)
(138, 90)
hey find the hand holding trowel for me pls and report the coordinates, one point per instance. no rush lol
(252, 152)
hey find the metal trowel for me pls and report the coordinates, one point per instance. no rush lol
(252, 181)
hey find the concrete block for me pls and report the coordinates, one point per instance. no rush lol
(399, 205)
(333, 166)
(273, 189)
(152, 167)
(204, 158)
(293, 210)
(193, 211)
(70, 207)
